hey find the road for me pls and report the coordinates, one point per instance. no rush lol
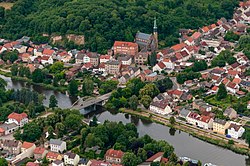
(175, 84)
(5, 70)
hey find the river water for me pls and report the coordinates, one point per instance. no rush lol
(184, 144)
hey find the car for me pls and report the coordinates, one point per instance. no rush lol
(228, 136)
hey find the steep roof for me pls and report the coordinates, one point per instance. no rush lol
(27, 145)
(155, 156)
(114, 153)
(125, 44)
(17, 117)
(39, 150)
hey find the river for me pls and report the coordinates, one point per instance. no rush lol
(184, 144)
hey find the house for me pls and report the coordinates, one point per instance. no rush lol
(168, 63)
(220, 126)
(83, 162)
(113, 67)
(159, 67)
(184, 112)
(19, 119)
(40, 153)
(98, 163)
(93, 58)
(201, 105)
(105, 58)
(124, 79)
(25, 57)
(146, 41)
(6, 129)
(32, 164)
(47, 60)
(245, 85)
(160, 107)
(201, 121)
(232, 87)
(158, 157)
(71, 158)
(79, 58)
(125, 48)
(114, 156)
(151, 77)
(56, 145)
(12, 146)
(28, 149)
(57, 163)
(20, 48)
(142, 57)
(230, 112)
(51, 156)
(125, 60)
(235, 130)
(48, 52)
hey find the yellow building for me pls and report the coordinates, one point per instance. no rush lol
(220, 126)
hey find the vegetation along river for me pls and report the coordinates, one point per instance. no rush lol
(184, 144)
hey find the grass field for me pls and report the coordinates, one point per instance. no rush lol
(6, 5)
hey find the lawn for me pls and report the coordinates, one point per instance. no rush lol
(6, 5)
(224, 103)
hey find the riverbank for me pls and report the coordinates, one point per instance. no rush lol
(198, 133)
(24, 79)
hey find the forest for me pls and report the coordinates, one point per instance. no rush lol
(104, 21)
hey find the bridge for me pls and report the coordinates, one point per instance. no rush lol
(81, 104)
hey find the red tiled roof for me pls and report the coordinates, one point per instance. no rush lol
(213, 26)
(102, 65)
(184, 53)
(178, 47)
(178, 55)
(27, 145)
(231, 85)
(215, 88)
(236, 80)
(125, 44)
(17, 117)
(30, 49)
(214, 77)
(205, 29)
(98, 163)
(155, 156)
(161, 65)
(225, 81)
(105, 57)
(196, 35)
(233, 72)
(32, 164)
(39, 150)
(205, 119)
(114, 153)
(45, 58)
(48, 52)
(52, 155)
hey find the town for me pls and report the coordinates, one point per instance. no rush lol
(202, 83)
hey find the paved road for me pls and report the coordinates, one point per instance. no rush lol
(175, 84)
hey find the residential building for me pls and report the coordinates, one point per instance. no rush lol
(235, 130)
(113, 67)
(201, 121)
(126, 48)
(51, 156)
(220, 126)
(56, 145)
(114, 156)
(142, 57)
(19, 119)
(57, 163)
(125, 60)
(40, 153)
(12, 146)
(230, 112)
(9, 128)
(47, 60)
(94, 58)
(105, 58)
(71, 158)
(79, 58)
(27, 149)
(32, 164)
(158, 157)
(160, 66)
(146, 41)
(160, 107)
(201, 105)
(98, 163)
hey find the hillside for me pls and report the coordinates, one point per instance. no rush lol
(103, 21)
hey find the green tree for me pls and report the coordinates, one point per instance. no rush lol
(222, 92)
(172, 120)
(14, 70)
(199, 163)
(60, 129)
(145, 101)
(38, 76)
(152, 60)
(130, 159)
(53, 101)
(150, 90)
(3, 162)
(73, 122)
(133, 102)
(231, 36)
(31, 132)
(57, 67)
(87, 87)
(173, 158)
(73, 88)
(164, 84)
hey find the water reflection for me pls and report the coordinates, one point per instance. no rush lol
(172, 131)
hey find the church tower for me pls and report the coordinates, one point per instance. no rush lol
(155, 34)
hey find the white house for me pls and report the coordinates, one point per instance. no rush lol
(168, 63)
(232, 87)
(19, 119)
(159, 67)
(235, 130)
(86, 58)
(57, 145)
(160, 107)
(204, 122)
(47, 60)
(6, 129)
(125, 60)
(71, 158)
(27, 149)
(105, 58)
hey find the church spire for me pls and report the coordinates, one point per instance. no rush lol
(155, 33)
(155, 26)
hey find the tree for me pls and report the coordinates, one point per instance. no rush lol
(73, 88)
(60, 129)
(31, 132)
(173, 158)
(145, 101)
(199, 163)
(57, 67)
(3, 162)
(231, 36)
(130, 159)
(53, 101)
(222, 92)
(150, 90)
(87, 87)
(172, 120)
(152, 60)
(38, 76)
(199, 66)
(14, 70)
(133, 102)
(157, 163)
(164, 84)
(73, 122)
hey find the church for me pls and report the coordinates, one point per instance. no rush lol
(148, 42)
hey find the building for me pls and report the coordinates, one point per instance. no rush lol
(230, 112)
(235, 130)
(57, 163)
(51, 156)
(125, 48)
(94, 58)
(12, 146)
(142, 57)
(40, 153)
(32, 164)
(113, 67)
(201, 121)
(98, 163)
(19, 119)
(71, 158)
(105, 58)
(125, 60)
(160, 107)
(201, 105)
(114, 156)
(27, 149)
(57, 145)
(6, 129)
(220, 126)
